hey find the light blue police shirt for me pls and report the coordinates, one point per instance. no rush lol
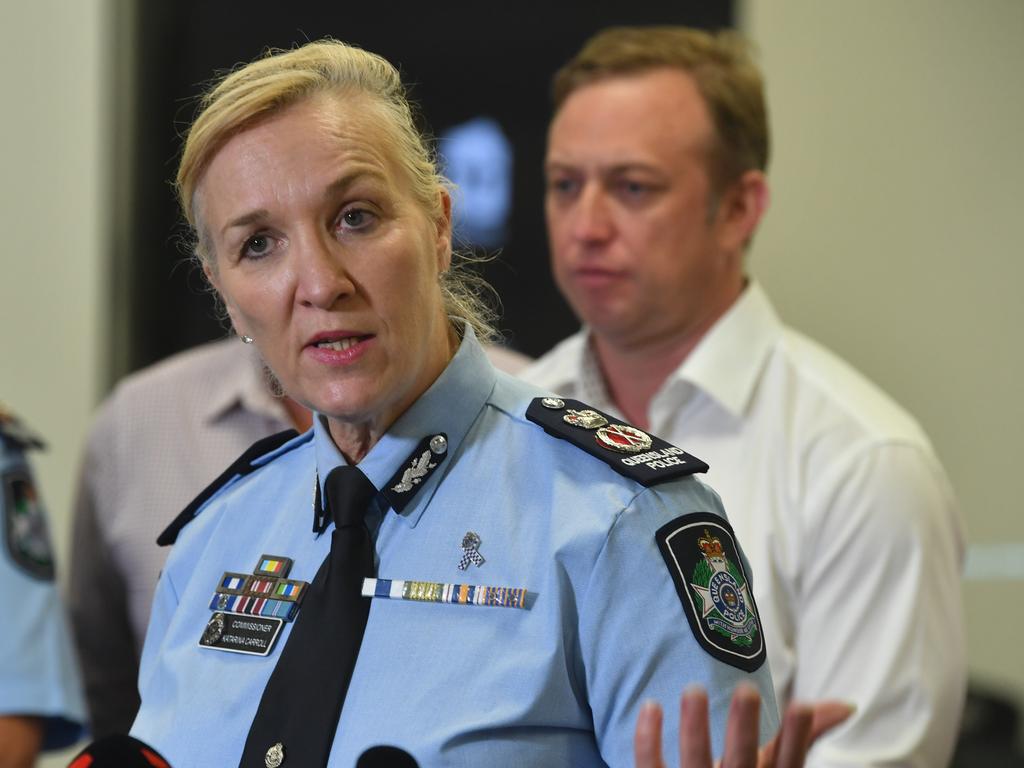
(38, 674)
(558, 683)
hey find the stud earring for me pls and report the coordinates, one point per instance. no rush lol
(246, 339)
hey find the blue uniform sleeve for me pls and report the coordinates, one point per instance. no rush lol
(165, 603)
(636, 640)
(38, 674)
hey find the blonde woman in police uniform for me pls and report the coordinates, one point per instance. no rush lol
(527, 591)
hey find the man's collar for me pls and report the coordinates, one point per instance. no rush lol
(725, 364)
(728, 361)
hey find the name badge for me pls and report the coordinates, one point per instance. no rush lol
(238, 633)
(250, 609)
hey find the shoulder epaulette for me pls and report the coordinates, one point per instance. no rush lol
(13, 429)
(241, 466)
(629, 451)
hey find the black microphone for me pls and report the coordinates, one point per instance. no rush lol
(119, 751)
(386, 757)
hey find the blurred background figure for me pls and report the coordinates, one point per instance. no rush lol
(159, 439)
(656, 185)
(40, 698)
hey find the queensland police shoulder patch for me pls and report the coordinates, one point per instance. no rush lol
(629, 451)
(25, 530)
(714, 588)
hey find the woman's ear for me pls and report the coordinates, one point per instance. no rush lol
(211, 276)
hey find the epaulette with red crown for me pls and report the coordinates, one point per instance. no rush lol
(629, 451)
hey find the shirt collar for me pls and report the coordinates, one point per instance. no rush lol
(591, 385)
(243, 383)
(449, 406)
(728, 361)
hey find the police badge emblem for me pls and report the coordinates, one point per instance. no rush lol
(623, 438)
(214, 629)
(24, 520)
(275, 756)
(714, 588)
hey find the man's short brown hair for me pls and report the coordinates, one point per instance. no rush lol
(720, 64)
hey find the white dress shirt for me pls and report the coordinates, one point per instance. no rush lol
(846, 516)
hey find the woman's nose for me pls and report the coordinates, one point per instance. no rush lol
(322, 277)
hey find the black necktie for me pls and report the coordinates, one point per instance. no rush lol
(298, 714)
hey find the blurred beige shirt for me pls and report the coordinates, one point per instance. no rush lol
(162, 436)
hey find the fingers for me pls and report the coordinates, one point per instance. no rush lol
(802, 725)
(828, 715)
(694, 733)
(647, 738)
(741, 733)
(766, 757)
(794, 737)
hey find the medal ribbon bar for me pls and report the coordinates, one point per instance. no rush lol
(438, 592)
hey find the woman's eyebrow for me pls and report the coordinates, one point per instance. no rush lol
(346, 180)
(245, 219)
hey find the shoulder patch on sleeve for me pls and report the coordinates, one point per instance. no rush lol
(714, 587)
(241, 466)
(629, 451)
(25, 529)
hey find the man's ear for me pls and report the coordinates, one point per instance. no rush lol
(740, 210)
(444, 232)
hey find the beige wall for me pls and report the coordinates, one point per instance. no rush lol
(893, 238)
(52, 266)
(53, 273)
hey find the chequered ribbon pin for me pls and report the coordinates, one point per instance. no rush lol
(470, 551)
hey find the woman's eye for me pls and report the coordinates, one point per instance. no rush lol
(257, 246)
(356, 218)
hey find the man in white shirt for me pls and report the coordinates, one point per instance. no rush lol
(655, 186)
